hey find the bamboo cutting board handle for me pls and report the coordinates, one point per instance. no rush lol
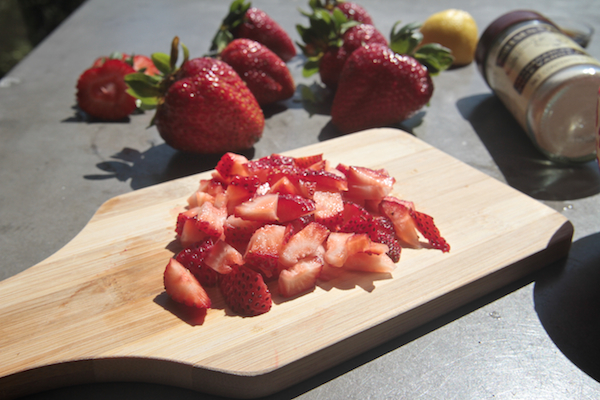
(96, 310)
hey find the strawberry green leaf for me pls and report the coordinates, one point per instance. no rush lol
(311, 67)
(162, 62)
(435, 57)
(142, 85)
(406, 39)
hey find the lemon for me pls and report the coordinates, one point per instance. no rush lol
(454, 29)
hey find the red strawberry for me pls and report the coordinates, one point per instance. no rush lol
(308, 161)
(244, 21)
(367, 183)
(303, 244)
(266, 75)
(428, 229)
(239, 231)
(260, 208)
(230, 165)
(183, 287)
(262, 254)
(241, 189)
(193, 259)
(222, 257)
(354, 11)
(300, 278)
(334, 58)
(398, 211)
(329, 209)
(290, 207)
(101, 91)
(369, 262)
(202, 107)
(378, 87)
(245, 292)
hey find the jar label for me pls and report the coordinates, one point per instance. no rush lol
(525, 58)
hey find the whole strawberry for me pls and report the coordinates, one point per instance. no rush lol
(102, 92)
(266, 75)
(201, 107)
(245, 21)
(351, 10)
(381, 86)
(330, 39)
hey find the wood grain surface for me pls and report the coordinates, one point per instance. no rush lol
(96, 310)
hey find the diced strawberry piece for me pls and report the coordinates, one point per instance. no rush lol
(284, 186)
(183, 287)
(326, 181)
(428, 229)
(367, 183)
(260, 208)
(231, 165)
(398, 211)
(238, 231)
(198, 198)
(336, 250)
(358, 243)
(183, 217)
(265, 167)
(263, 250)
(300, 278)
(304, 243)
(370, 262)
(222, 257)
(241, 189)
(210, 220)
(329, 209)
(356, 218)
(383, 232)
(290, 207)
(193, 259)
(308, 161)
(245, 292)
(211, 186)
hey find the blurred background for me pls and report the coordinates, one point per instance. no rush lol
(25, 23)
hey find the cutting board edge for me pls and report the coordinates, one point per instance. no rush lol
(271, 381)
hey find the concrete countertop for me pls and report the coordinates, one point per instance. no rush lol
(536, 339)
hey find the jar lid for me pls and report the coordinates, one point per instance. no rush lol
(498, 26)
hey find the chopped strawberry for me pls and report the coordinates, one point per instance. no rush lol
(290, 207)
(398, 211)
(241, 189)
(263, 250)
(193, 259)
(367, 183)
(260, 208)
(198, 198)
(370, 262)
(210, 220)
(325, 180)
(356, 218)
(428, 229)
(308, 161)
(284, 186)
(302, 244)
(336, 250)
(102, 91)
(245, 292)
(231, 165)
(183, 287)
(300, 278)
(222, 257)
(238, 232)
(211, 186)
(383, 232)
(329, 209)
(144, 64)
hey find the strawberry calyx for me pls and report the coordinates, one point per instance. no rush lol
(407, 40)
(325, 31)
(233, 19)
(149, 89)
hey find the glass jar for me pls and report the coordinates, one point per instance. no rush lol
(546, 80)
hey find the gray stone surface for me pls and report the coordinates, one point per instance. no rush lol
(537, 339)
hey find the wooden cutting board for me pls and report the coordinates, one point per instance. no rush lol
(96, 310)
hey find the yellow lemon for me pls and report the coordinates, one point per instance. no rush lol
(454, 29)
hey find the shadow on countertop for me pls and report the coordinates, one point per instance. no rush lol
(567, 301)
(160, 163)
(522, 165)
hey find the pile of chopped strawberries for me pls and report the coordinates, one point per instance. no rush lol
(279, 224)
